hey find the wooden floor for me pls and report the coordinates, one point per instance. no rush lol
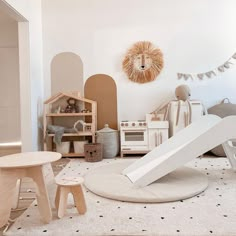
(9, 150)
(27, 190)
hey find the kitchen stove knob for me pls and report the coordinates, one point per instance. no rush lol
(133, 124)
(126, 124)
(144, 124)
(140, 124)
(122, 124)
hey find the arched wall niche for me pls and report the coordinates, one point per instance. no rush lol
(102, 88)
(66, 73)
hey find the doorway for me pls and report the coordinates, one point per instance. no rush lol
(14, 80)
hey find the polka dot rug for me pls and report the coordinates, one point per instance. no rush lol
(212, 212)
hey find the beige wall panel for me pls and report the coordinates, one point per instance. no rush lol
(66, 73)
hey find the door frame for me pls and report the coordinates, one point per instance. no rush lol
(24, 75)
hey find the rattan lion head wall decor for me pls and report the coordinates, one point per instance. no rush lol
(143, 62)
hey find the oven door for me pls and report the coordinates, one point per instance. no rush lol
(137, 137)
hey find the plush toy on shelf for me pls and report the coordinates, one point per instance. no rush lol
(72, 107)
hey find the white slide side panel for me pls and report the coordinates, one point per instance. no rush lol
(193, 141)
(180, 139)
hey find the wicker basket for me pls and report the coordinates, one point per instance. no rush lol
(93, 152)
(110, 141)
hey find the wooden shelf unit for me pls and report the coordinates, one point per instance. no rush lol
(52, 116)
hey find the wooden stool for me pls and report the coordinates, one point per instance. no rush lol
(69, 185)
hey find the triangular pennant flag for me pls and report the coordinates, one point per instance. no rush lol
(191, 76)
(200, 76)
(179, 75)
(221, 68)
(232, 61)
(195, 76)
(215, 71)
(186, 76)
(209, 74)
(226, 65)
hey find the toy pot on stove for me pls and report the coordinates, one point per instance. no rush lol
(110, 140)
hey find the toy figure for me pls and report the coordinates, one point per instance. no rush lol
(182, 93)
(72, 107)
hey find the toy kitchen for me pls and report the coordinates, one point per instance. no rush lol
(141, 136)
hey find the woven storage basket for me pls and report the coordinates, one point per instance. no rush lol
(110, 141)
(93, 152)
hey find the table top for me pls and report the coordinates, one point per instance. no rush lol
(28, 159)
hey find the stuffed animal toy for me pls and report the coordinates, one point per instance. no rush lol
(72, 107)
(183, 94)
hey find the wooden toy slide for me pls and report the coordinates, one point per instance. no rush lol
(189, 143)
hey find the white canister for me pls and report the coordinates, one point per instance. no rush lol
(79, 146)
(110, 140)
(63, 148)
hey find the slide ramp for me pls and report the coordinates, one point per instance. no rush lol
(189, 143)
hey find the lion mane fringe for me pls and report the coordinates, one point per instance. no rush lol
(143, 47)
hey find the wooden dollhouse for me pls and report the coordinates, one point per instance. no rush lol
(72, 113)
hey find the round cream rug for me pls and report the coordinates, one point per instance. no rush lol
(108, 181)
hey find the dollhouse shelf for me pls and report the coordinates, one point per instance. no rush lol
(69, 114)
(54, 117)
(74, 134)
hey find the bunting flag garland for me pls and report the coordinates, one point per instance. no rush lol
(209, 74)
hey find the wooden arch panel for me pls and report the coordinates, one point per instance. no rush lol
(102, 88)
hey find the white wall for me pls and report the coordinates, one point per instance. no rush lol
(195, 36)
(32, 84)
(9, 81)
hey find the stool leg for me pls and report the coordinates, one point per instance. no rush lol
(79, 199)
(57, 198)
(64, 191)
(17, 194)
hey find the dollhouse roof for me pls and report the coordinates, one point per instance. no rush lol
(75, 95)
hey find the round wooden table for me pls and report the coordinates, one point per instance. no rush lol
(17, 166)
